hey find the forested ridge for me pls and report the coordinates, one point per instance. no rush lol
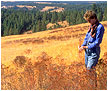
(18, 21)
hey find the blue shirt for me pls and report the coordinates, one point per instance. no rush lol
(94, 41)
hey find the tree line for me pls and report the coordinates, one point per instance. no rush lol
(15, 22)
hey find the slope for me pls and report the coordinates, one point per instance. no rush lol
(43, 52)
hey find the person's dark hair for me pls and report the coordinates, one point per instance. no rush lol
(90, 15)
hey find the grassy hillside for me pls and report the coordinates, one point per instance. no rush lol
(48, 59)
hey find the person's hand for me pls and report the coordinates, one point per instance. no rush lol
(81, 48)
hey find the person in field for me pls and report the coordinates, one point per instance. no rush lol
(92, 40)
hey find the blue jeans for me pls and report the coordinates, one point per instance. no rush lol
(91, 57)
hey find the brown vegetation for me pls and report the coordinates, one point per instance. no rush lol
(45, 75)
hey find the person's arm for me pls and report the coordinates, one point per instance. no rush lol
(85, 40)
(83, 46)
(99, 36)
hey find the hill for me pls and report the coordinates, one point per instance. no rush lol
(39, 5)
(19, 17)
(49, 60)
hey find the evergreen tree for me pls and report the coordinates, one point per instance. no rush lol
(38, 27)
(94, 8)
(44, 18)
(105, 15)
(60, 16)
(68, 19)
(99, 14)
(43, 26)
(54, 17)
(78, 18)
(73, 15)
(2, 29)
(49, 16)
(34, 28)
(10, 31)
(82, 15)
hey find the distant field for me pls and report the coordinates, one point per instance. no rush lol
(46, 8)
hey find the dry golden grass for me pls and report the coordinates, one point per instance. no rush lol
(62, 23)
(46, 8)
(59, 9)
(49, 60)
(22, 6)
